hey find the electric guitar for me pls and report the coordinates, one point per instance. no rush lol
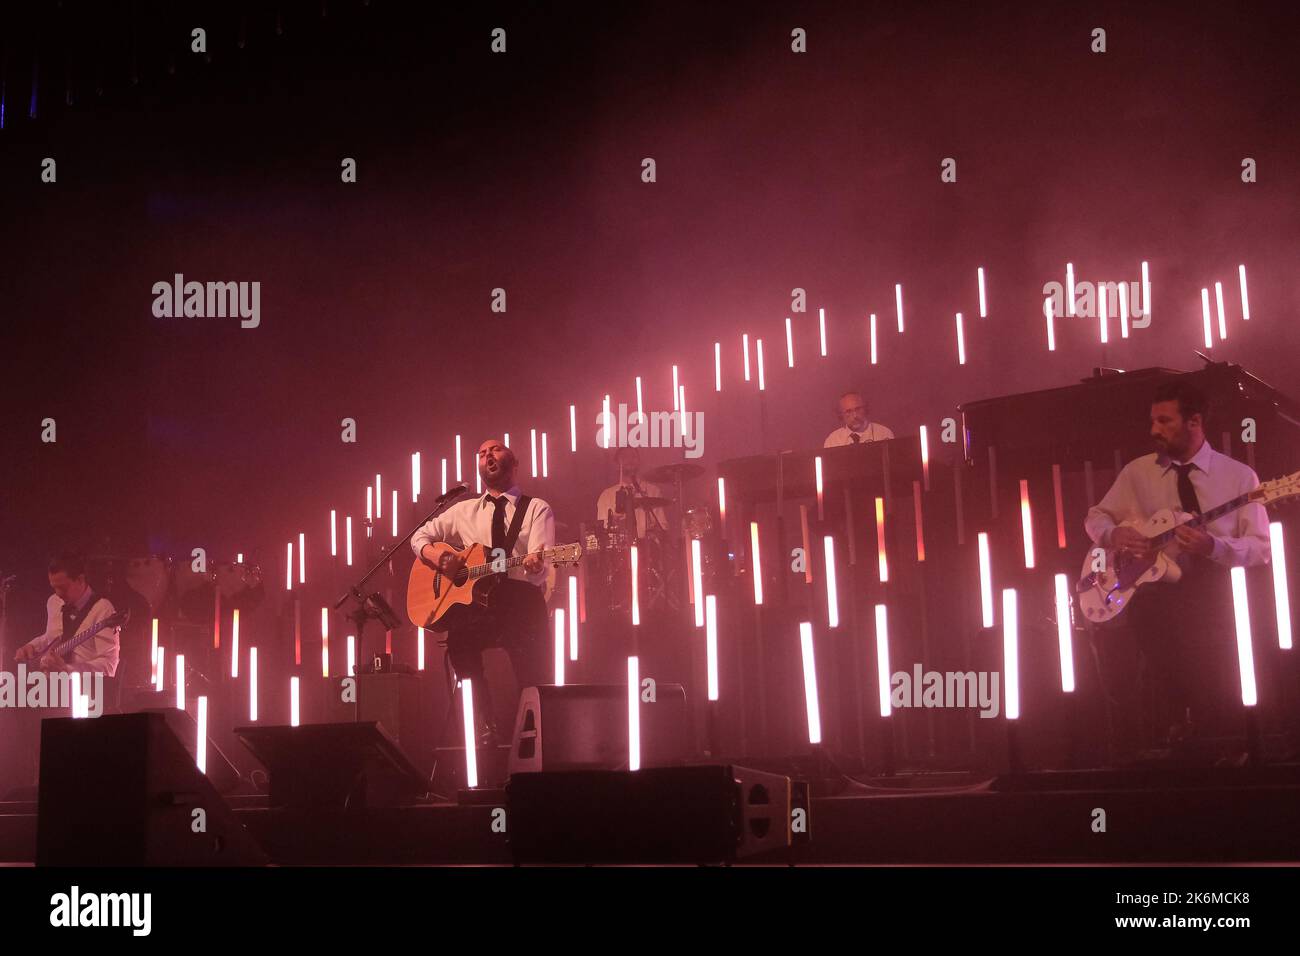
(436, 600)
(1109, 583)
(64, 646)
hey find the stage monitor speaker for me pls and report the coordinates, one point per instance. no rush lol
(354, 765)
(584, 727)
(703, 814)
(402, 703)
(122, 790)
(221, 772)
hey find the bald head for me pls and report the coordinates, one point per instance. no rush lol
(496, 464)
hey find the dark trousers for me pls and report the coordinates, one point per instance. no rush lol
(513, 618)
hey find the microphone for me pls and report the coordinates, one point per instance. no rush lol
(452, 493)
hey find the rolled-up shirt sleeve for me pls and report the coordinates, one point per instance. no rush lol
(1250, 546)
(437, 529)
(1119, 504)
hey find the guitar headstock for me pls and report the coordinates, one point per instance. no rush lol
(1279, 490)
(566, 554)
(117, 619)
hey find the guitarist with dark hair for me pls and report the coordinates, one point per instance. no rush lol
(1188, 672)
(73, 607)
(509, 610)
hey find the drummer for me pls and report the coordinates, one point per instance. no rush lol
(616, 502)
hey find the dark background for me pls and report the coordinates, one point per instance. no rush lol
(522, 171)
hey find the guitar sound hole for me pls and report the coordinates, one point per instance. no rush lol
(461, 577)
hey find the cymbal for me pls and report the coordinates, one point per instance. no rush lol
(648, 502)
(670, 474)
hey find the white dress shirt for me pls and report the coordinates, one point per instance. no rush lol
(470, 522)
(1150, 484)
(844, 435)
(608, 501)
(100, 653)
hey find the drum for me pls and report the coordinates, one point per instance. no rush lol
(240, 585)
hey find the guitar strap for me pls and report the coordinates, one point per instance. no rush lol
(516, 524)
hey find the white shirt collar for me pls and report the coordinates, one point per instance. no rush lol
(1201, 459)
(511, 494)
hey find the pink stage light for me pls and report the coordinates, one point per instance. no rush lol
(757, 563)
(810, 684)
(633, 714)
(722, 504)
(1218, 301)
(370, 505)
(640, 407)
(881, 559)
(573, 431)
(898, 304)
(1245, 652)
(302, 558)
(717, 366)
(334, 534)
(394, 512)
(832, 595)
(1060, 509)
(607, 419)
(459, 479)
(676, 407)
(1123, 310)
(711, 642)
(478, 482)
(415, 477)
(961, 342)
(234, 645)
(252, 685)
(636, 597)
(697, 581)
(925, 457)
(348, 530)
(873, 338)
(532, 461)
(1205, 314)
(882, 658)
(352, 653)
(180, 681)
(744, 346)
(1245, 300)
(1069, 289)
(1051, 327)
(546, 472)
(789, 342)
(920, 526)
(984, 312)
(1146, 291)
(1281, 593)
(817, 474)
(1026, 523)
(986, 580)
(681, 404)
(444, 477)
(1011, 652)
(288, 572)
(201, 740)
(821, 322)
(379, 497)
(160, 671)
(1064, 639)
(1103, 314)
(294, 710)
(153, 645)
(559, 647)
(761, 382)
(573, 617)
(505, 439)
(471, 745)
(324, 642)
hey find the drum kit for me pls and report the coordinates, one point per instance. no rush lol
(661, 552)
(176, 591)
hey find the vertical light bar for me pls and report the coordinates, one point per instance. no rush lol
(352, 653)
(153, 646)
(881, 559)
(252, 685)
(1103, 313)
(722, 504)
(294, 710)
(711, 643)
(546, 472)
(832, 593)
(636, 597)
(288, 572)
(1245, 652)
(1011, 652)
(370, 506)
(1245, 300)
(415, 477)
(201, 743)
(1205, 314)
(180, 681)
(1026, 523)
(898, 303)
(717, 366)
(789, 343)
(302, 557)
(640, 407)
(633, 714)
(532, 441)
(986, 581)
(681, 404)
(444, 477)
(757, 563)
(676, 407)
(478, 481)
(234, 646)
(1281, 592)
(821, 321)
(505, 439)
(334, 533)
(697, 581)
(1060, 508)
(882, 658)
(348, 529)
(961, 342)
(920, 522)
(761, 383)
(1051, 326)
(606, 419)
(573, 617)
(161, 674)
(467, 718)
(1123, 310)
(925, 457)
(1069, 288)
(458, 471)
(744, 347)
(1218, 301)
(1064, 639)
(80, 703)
(817, 475)
(984, 311)
(873, 338)
(559, 647)
(394, 512)
(573, 428)
(1146, 291)
(379, 497)
(324, 642)
(810, 683)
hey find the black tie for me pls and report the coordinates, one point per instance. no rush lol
(1186, 493)
(855, 437)
(499, 523)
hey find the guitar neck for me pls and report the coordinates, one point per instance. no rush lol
(1205, 518)
(496, 568)
(63, 645)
